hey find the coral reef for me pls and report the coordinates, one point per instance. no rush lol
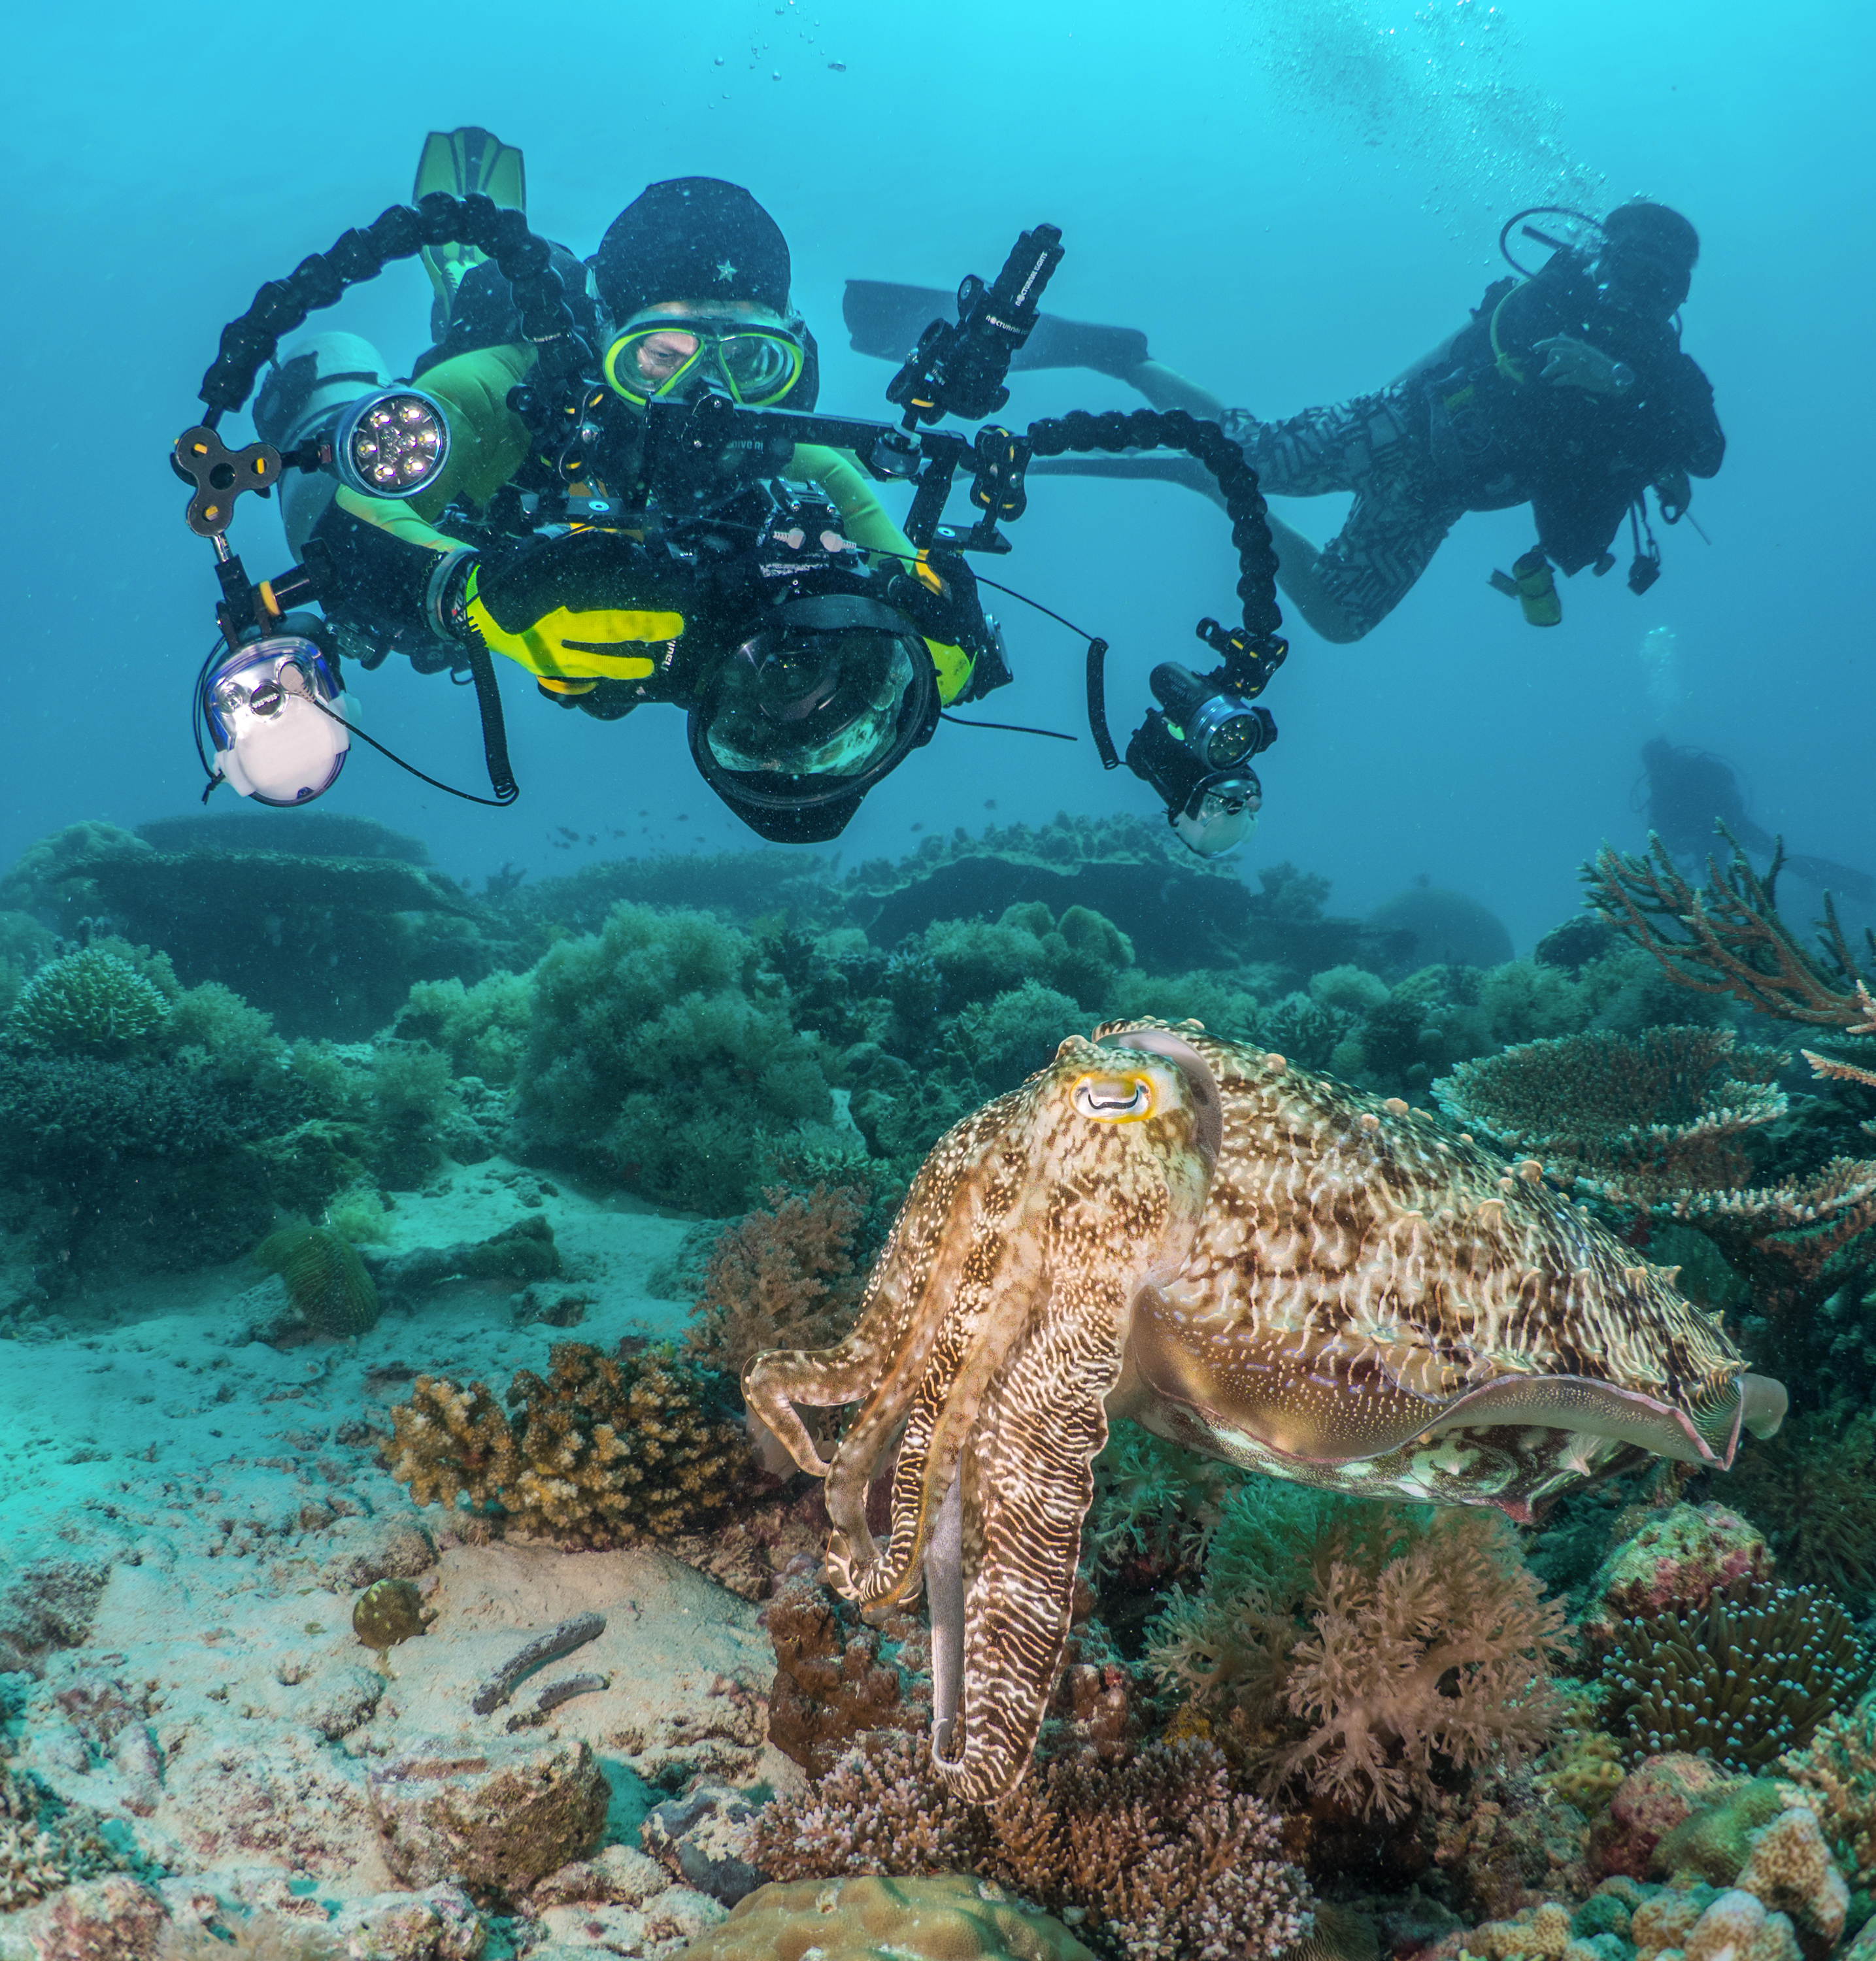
(1750, 1676)
(336, 959)
(90, 1002)
(1160, 1857)
(659, 1052)
(782, 1278)
(1640, 1120)
(332, 1294)
(1359, 1648)
(1835, 1774)
(937, 1919)
(45, 1845)
(603, 1451)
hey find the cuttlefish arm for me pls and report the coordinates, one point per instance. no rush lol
(1027, 1482)
(880, 1363)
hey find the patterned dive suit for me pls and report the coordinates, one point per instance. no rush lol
(1479, 431)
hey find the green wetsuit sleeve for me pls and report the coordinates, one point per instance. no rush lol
(488, 441)
(865, 517)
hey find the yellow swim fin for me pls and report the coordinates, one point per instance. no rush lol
(459, 162)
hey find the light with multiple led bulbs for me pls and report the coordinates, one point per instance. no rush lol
(393, 443)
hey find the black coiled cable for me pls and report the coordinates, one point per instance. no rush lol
(281, 305)
(1174, 428)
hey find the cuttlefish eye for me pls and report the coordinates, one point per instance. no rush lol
(1114, 1099)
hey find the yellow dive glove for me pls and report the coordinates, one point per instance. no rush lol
(573, 611)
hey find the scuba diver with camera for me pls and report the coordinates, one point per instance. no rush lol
(624, 487)
(1566, 390)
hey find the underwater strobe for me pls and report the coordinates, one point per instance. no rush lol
(269, 697)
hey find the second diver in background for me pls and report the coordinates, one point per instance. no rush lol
(1566, 390)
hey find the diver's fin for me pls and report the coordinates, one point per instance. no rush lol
(1827, 872)
(1187, 470)
(459, 162)
(886, 319)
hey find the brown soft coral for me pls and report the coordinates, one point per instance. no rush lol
(604, 1451)
(1160, 1856)
(1365, 1646)
(1443, 1654)
(781, 1278)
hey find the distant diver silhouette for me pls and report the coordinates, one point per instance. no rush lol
(1691, 791)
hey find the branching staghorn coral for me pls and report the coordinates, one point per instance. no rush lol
(90, 1002)
(1727, 937)
(781, 1278)
(1378, 1646)
(1640, 1120)
(1750, 1675)
(1812, 1490)
(604, 1451)
(1165, 1855)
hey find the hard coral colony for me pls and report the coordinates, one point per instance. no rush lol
(1189, 1451)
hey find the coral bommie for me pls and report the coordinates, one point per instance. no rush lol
(603, 1451)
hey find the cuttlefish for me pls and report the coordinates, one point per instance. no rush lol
(1248, 1259)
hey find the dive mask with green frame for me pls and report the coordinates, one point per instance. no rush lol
(665, 356)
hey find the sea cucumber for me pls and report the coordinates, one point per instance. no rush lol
(555, 1693)
(556, 1642)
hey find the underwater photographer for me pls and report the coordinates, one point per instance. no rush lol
(791, 724)
(620, 484)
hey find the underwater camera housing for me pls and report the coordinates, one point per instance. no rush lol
(682, 458)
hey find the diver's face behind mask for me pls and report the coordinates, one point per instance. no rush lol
(810, 713)
(272, 743)
(1647, 261)
(678, 348)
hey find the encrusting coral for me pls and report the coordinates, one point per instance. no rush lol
(947, 1919)
(1159, 1858)
(1375, 1648)
(1752, 1674)
(605, 1451)
(781, 1278)
(44, 1844)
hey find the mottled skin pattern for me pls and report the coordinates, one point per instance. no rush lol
(1248, 1259)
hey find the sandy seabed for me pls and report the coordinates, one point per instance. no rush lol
(187, 1515)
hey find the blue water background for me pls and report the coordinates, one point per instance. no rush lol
(1293, 200)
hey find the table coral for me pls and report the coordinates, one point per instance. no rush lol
(1751, 1675)
(603, 1451)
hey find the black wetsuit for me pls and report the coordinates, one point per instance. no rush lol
(1479, 431)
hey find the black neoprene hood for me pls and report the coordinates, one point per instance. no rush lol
(692, 238)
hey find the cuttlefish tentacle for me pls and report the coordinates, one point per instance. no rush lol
(958, 1337)
(880, 1361)
(1028, 1483)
